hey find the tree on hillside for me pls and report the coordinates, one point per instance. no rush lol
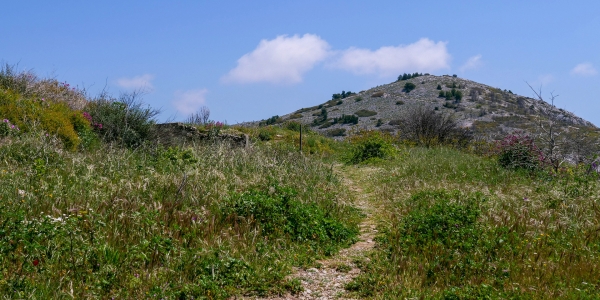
(425, 127)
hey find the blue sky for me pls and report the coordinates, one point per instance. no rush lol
(249, 60)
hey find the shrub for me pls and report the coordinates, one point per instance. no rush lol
(365, 113)
(265, 134)
(379, 123)
(56, 118)
(370, 144)
(277, 212)
(29, 85)
(270, 121)
(377, 95)
(518, 151)
(409, 86)
(343, 95)
(346, 119)
(125, 121)
(336, 132)
(358, 99)
(395, 122)
(292, 125)
(427, 128)
(399, 102)
(296, 116)
(8, 129)
(439, 87)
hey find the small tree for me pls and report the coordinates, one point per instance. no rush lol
(427, 128)
(552, 138)
(409, 86)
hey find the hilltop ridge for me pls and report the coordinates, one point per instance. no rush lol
(487, 110)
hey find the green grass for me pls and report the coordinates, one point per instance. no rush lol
(155, 222)
(458, 226)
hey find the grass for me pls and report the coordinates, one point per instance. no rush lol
(110, 219)
(458, 226)
(162, 222)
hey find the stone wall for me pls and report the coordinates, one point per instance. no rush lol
(179, 133)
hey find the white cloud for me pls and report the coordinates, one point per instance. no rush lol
(281, 60)
(137, 82)
(545, 79)
(584, 69)
(472, 63)
(422, 56)
(188, 102)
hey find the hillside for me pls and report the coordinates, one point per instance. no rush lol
(487, 110)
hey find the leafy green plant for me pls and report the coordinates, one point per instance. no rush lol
(409, 86)
(518, 151)
(363, 113)
(125, 121)
(369, 145)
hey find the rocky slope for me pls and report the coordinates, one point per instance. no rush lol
(487, 110)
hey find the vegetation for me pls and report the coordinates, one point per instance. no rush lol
(367, 146)
(458, 226)
(425, 127)
(342, 95)
(270, 121)
(202, 221)
(409, 86)
(92, 207)
(377, 94)
(365, 113)
(409, 76)
(346, 119)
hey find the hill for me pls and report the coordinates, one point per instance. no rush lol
(489, 111)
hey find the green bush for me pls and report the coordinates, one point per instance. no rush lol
(518, 151)
(399, 102)
(367, 145)
(292, 125)
(124, 121)
(365, 113)
(346, 119)
(409, 86)
(377, 94)
(55, 118)
(278, 213)
(296, 116)
(336, 132)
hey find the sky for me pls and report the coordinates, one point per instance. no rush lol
(250, 60)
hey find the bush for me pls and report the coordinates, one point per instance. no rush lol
(29, 85)
(365, 113)
(292, 125)
(377, 95)
(409, 86)
(399, 102)
(336, 132)
(270, 121)
(279, 213)
(518, 151)
(425, 127)
(358, 99)
(55, 118)
(125, 121)
(346, 119)
(371, 144)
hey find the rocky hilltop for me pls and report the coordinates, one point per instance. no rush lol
(487, 110)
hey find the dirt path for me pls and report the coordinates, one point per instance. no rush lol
(328, 281)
